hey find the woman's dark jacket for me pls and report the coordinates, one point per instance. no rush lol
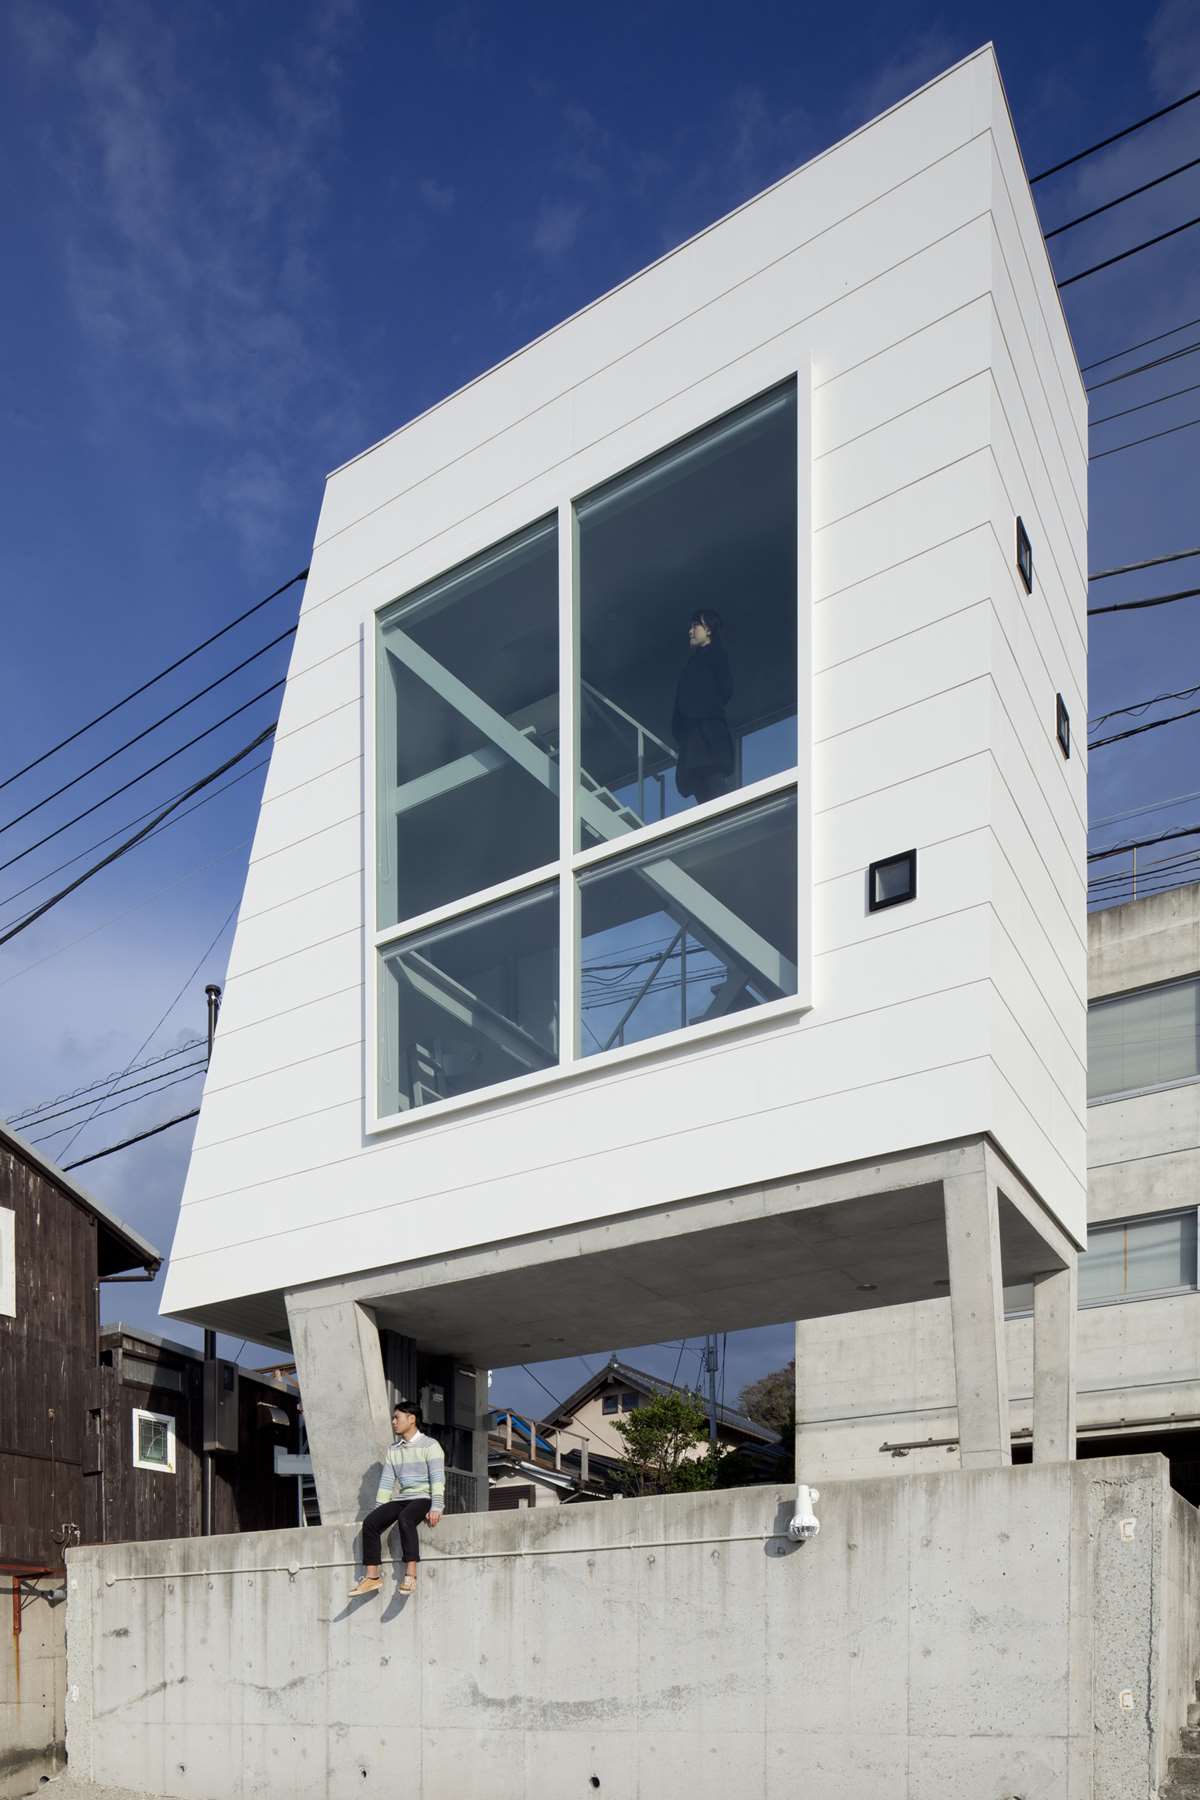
(698, 720)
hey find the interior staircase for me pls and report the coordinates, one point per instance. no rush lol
(1183, 1771)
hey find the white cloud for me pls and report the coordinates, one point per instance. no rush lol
(925, 55)
(1173, 44)
(438, 196)
(556, 227)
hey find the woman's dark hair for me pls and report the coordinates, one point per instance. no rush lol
(709, 618)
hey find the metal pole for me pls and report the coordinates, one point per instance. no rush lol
(212, 994)
(710, 1363)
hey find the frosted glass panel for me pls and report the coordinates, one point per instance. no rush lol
(1141, 1256)
(1143, 1040)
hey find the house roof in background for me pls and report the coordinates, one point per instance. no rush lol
(621, 1374)
(122, 1247)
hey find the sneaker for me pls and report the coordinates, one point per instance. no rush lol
(370, 1584)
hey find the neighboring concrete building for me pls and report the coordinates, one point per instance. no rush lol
(669, 1001)
(871, 1399)
(617, 1389)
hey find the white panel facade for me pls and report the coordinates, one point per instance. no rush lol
(901, 280)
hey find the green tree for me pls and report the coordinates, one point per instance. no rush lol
(772, 1400)
(660, 1438)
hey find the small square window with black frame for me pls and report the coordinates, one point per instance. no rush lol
(1024, 557)
(891, 881)
(1062, 725)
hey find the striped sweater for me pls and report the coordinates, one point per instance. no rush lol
(414, 1469)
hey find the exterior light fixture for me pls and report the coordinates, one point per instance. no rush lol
(868, 1287)
(1062, 724)
(1024, 557)
(892, 881)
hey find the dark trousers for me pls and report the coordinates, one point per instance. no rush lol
(407, 1514)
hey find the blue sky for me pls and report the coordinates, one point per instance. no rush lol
(243, 242)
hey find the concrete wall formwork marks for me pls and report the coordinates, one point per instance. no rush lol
(999, 1632)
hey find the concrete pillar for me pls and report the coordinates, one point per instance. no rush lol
(483, 1407)
(977, 1319)
(1054, 1314)
(344, 1394)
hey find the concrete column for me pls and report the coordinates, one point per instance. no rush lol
(483, 1406)
(977, 1319)
(342, 1388)
(1054, 1315)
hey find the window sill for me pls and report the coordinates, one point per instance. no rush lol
(1159, 1087)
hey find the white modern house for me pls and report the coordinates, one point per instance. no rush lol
(534, 1041)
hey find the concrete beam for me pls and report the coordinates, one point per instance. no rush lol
(1054, 1332)
(347, 1413)
(977, 1318)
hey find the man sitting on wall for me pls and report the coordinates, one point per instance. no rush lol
(412, 1487)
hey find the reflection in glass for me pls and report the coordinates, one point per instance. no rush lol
(468, 728)
(1143, 1040)
(695, 928)
(687, 587)
(470, 1004)
(1140, 1256)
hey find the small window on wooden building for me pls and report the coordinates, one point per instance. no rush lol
(8, 1262)
(153, 1441)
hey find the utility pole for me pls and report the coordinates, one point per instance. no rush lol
(212, 994)
(710, 1364)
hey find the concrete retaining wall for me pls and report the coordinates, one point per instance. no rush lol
(998, 1633)
(33, 1663)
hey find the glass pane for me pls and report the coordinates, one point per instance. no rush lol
(467, 723)
(1018, 1298)
(669, 717)
(1141, 1040)
(152, 1441)
(470, 1004)
(696, 928)
(1142, 1256)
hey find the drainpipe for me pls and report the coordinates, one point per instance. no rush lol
(212, 994)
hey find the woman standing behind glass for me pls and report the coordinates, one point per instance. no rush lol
(705, 762)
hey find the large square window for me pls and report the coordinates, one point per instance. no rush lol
(687, 571)
(694, 928)
(471, 1003)
(467, 728)
(1145, 1039)
(1138, 1256)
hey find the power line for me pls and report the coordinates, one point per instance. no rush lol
(1175, 394)
(1163, 837)
(104, 1111)
(1119, 737)
(1140, 706)
(540, 1383)
(1099, 455)
(134, 779)
(1140, 605)
(137, 738)
(1152, 563)
(1134, 250)
(1115, 138)
(153, 1033)
(1156, 362)
(1120, 200)
(162, 673)
(175, 819)
(37, 1114)
(1158, 338)
(126, 1142)
(1137, 812)
(130, 843)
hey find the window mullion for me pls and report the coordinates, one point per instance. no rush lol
(568, 776)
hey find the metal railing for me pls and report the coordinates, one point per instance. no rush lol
(503, 1421)
(642, 736)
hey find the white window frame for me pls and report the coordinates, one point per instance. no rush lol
(167, 1419)
(558, 491)
(8, 1263)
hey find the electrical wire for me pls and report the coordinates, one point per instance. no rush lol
(1156, 362)
(175, 819)
(130, 843)
(1164, 837)
(162, 673)
(153, 1033)
(1119, 737)
(41, 1115)
(1137, 812)
(137, 738)
(103, 1081)
(1153, 563)
(1099, 455)
(104, 1111)
(1120, 200)
(540, 1383)
(1140, 706)
(141, 1136)
(1124, 255)
(1142, 343)
(1115, 138)
(134, 779)
(1175, 394)
(1141, 605)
